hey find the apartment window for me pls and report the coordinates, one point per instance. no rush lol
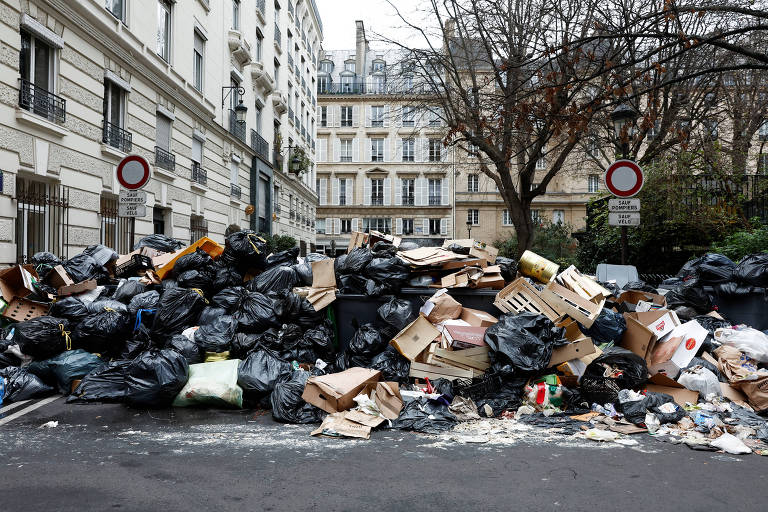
(541, 164)
(346, 116)
(320, 226)
(164, 29)
(163, 132)
(326, 66)
(407, 83)
(506, 220)
(42, 218)
(377, 192)
(711, 130)
(653, 131)
(435, 117)
(259, 45)
(377, 150)
(435, 150)
(473, 151)
(277, 13)
(473, 183)
(408, 188)
(36, 67)
(323, 116)
(198, 228)
(377, 115)
(558, 216)
(536, 216)
(762, 132)
(346, 150)
(259, 117)
(114, 117)
(346, 225)
(762, 163)
(347, 83)
(408, 150)
(349, 66)
(378, 84)
(197, 64)
(408, 116)
(435, 192)
(382, 225)
(592, 149)
(234, 172)
(342, 192)
(117, 9)
(235, 14)
(434, 226)
(322, 84)
(407, 226)
(473, 217)
(593, 183)
(277, 73)
(378, 65)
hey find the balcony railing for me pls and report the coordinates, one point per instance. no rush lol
(435, 200)
(165, 159)
(377, 200)
(361, 87)
(290, 115)
(236, 128)
(42, 102)
(262, 6)
(199, 175)
(296, 70)
(116, 137)
(278, 36)
(409, 201)
(259, 145)
(290, 60)
(235, 191)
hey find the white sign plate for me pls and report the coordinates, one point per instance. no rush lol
(132, 210)
(623, 205)
(135, 197)
(624, 219)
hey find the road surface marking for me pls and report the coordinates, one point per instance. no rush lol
(31, 408)
(13, 406)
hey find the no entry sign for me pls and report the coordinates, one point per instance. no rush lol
(133, 172)
(624, 178)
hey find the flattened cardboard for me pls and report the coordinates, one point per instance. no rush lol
(573, 350)
(388, 399)
(465, 337)
(58, 277)
(488, 253)
(733, 394)
(22, 310)
(660, 383)
(337, 425)
(433, 372)
(362, 418)
(416, 337)
(357, 239)
(74, 289)
(635, 296)
(441, 307)
(336, 392)
(478, 318)
(323, 275)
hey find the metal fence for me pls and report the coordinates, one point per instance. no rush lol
(116, 232)
(42, 102)
(198, 228)
(42, 219)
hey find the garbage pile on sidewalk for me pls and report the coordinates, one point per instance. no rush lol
(232, 326)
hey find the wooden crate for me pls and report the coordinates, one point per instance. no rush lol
(566, 302)
(585, 286)
(520, 296)
(434, 372)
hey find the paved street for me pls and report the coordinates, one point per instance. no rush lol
(109, 457)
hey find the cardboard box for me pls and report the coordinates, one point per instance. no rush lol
(484, 251)
(338, 425)
(16, 282)
(664, 325)
(636, 296)
(675, 352)
(660, 383)
(434, 372)
(639, 338)
(441, 307)
(336, 392)
(573, 350)
(477, 318)
(22, 310)
(388, 399)
(465, 337)
(59, 278)
(323, 290)
(164, 263)
(416, 337)
(74, 289)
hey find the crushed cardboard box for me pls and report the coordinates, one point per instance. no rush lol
(441, 307)
(336, 392)
(415, 337)
(323, 290)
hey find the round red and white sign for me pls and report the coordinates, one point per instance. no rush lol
(133, 172)
(624, 178)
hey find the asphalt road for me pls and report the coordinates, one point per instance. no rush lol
(110, 457)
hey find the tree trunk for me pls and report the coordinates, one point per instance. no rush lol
(521, 219)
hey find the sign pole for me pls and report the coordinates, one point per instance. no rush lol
(624, 245)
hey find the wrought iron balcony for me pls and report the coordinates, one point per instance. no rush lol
(290, 115)
(235, 191)
(236, 128)
(165, 159)
(259, 145)
(435, 200)
(199, 175)
(408, 201)
(278, 36)
(42, 102)
(290, 60)
(116, 137)
(362, 87)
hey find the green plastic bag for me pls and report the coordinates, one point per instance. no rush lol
(213, 384)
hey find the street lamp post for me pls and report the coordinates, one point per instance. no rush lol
(624, 117)
(469, 229)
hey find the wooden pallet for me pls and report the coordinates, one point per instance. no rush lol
(585, 286)
(566, 302)
(520, 296)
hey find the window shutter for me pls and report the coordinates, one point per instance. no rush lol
(367, 148)
(398, 153)
(337, 230)
(197, 151)
(426, 226)
(398, 192)
(337, 117)
(323, 191)
(163, 132)
(443, 153)
(399, 119)
(444, 192)
(336, 150)
(356, 116)
(355, 150)
(398, 226)
(443, 227)
(354, 225)
(328, 226)
(387, 191)
(335, 191)
(367, 192)
(368, 116)
(386, 150)
(386, 116)
(350, 191)
(322, 150)
(417, 200)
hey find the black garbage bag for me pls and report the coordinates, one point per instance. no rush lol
(65, 368)
(355, 261)
(286, 304)
(230, 299)
(639, 286)
(217, 335)
(320, 339)
(145, 301)
(21, 384)
(44, 263)
(83, 267)
(225, 277)
(242, 344)
(608, 327)
(735, 290)
(304, 270)
(168, 284)
(393, 316)
(70, 308)
(611, 287)
(392, 365)
(507, 396)
(160, 243)
(197, 260)
(178, 309)
(523, 341)
(186, 347)
(287, 404)
(197, 279)
(710, 262)
(711, 324)
(338, 263)
(383, 249)
(288, 257)
(359, 285)
(104, 384)
(136, 345)
(155, 377)
(103, 332)
(274, 279)
(43, 337)
(101, 253)
(391, 272)
(282, 339)
(100, 305)
(129, 290)
(366, 343)
(459, 249)
(753, 270)
(508, 268)
(245, 249)
(424, 415)
(256, 313)
(635, 411)
(261, 371)
(614, 370)
(691, 294)
(307, 316)
(210, 314)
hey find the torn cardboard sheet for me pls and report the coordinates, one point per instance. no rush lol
(441, 307)
(338, 425)
(323, 290)
(426, 256)
(416, 337)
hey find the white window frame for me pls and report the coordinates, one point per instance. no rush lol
(198, 61)
(473, 183)
(346, 226)
(110, 106)
(435, 190)
(405, 230)
(347, 120)
(377, 116)
(409, 154)
(377, 149)
(408, 116)
(506, 220)
(236, 15)
(408, 185)
(435, 150)
(593, 183)
(558, 216)
(345, 149)
(541, 163)
(377, 192)
(123, 8)
(165, 9)
(473, 216)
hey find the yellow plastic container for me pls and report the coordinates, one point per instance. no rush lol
(205, 243)
(537, 267)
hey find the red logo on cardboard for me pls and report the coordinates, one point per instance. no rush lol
(690, 343)
(660, 326)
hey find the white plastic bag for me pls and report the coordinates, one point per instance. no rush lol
(700, 379)
(745, 339)
(212, 384)
(730, 444)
